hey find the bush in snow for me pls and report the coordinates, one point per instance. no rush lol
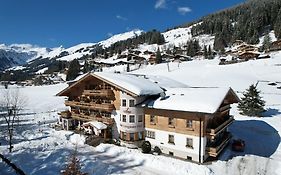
(146, 147)
(251, 104)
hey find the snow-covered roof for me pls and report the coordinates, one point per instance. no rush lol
(137, 85)
(204, 100)
(96, 124)
(165, 82)
(111, 60)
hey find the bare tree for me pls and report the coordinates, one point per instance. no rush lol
(12, 102)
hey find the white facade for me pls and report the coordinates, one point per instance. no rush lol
(179, 148)
(130, 115)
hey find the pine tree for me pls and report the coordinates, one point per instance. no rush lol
(86, 67)
(251, 104)
(158, 56)
(74, 166)
(266, 43)
(73, 70)
(205, 52)
(219, 43)
(277, 25)
(210, 53)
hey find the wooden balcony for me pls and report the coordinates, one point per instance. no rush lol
(65, 114)
(215, 130)
(215, 149)
(87, 118)
(224, 108)
(99, 93)
(98, 107)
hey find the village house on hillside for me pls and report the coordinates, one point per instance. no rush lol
(185, 122)
(246, 51)
(275, 46)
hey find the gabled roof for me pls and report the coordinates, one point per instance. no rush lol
(203, 100)
(131, 84)
(137, 85)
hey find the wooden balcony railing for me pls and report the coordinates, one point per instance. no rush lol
(100, 107)
(223, 108)
(99, 93)
(65, 114)
(212, 132)
(214, 150)
(88, 118)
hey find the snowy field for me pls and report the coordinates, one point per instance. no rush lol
(41, 150)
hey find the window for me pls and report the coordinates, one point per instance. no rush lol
(140, 134)
(150, 134)
(171, 139)
(132, 118)
(124, 103)
(140, 118)
(132, 136)
(152, 119)
(171, 121)
(124, 136)
(189, 123)
(189, 142)
(132, 103)
(124, 118)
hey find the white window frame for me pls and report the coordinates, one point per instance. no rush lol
(124, 117)
(131, 105)
(134, 118)
(124, 100)
(140, 118)
(188, 141)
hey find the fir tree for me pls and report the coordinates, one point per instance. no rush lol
(205, 52)
(73, 70)
(251, 104)
(277, 25)
(266, 43)
(210, 53)
(74, 166)
(219, 43)
(158, 56)
(87, 67)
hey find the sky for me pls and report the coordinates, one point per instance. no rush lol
(53, 23)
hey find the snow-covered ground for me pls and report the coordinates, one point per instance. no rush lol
(46, 151)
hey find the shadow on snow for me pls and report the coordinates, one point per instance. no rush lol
(52, 162)
(261, 139)
(271, 112)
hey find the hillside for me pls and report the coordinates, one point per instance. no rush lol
(246, 22)
(207, 37)
(49, 148)
(22, 54)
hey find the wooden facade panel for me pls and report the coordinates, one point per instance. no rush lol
(117, 101)
(175, 114)
(180, 118)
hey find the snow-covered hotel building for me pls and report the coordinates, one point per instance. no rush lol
(185, 122)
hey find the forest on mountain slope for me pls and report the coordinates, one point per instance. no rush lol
(246, 22)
